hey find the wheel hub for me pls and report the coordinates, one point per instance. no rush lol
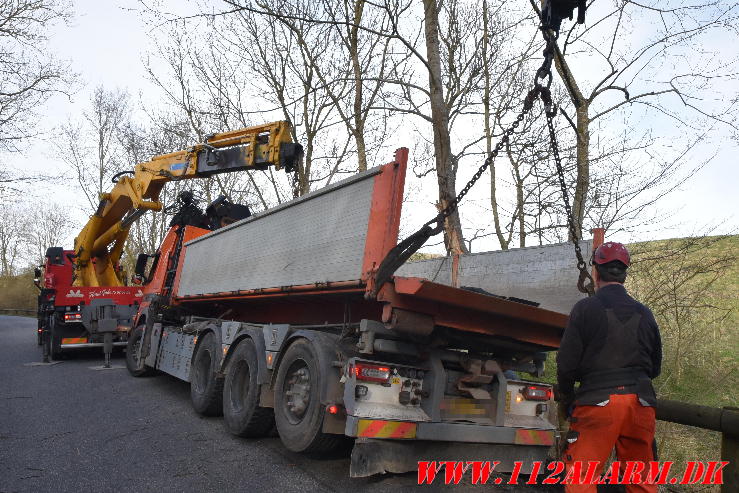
(297, 392)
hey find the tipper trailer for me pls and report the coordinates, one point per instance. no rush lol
(273, 321)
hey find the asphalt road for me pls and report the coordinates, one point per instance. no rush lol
(67, 427)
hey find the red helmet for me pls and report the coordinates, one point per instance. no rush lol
(610, 251)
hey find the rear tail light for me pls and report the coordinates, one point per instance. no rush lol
(372, 373)
(72, 317)
(536, 393)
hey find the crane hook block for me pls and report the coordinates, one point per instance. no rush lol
(554, 11)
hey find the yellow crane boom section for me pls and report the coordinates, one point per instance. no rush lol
(99, 246)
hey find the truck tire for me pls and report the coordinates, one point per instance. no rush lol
(241, 411)
(55, 339)
(206, 390)
(298, 409)
(136, 368)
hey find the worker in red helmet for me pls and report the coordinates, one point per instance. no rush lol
(612, 347)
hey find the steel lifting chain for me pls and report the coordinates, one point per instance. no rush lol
(399, 254)
(585, 283)
(542, 81)
(452, 206)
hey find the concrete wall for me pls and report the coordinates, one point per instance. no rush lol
(545, 274)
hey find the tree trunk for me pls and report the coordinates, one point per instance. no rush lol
(520, 210)
(488, 131)
(445, 169)
(357, 70)
(582, 183)
(582, 106)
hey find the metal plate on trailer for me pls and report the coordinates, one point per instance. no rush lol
(544, 274)
(317, 238)
(175, 354)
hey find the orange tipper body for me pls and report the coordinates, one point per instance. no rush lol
(425, 302)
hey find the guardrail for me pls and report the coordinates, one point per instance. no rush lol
(14, 311)
(725, 420)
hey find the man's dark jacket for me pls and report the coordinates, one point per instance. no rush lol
(611, 346)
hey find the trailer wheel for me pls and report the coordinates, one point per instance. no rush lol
(241, 411)
(298, 409)
(135, 367)
(206, 390)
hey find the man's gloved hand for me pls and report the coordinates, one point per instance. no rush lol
(564, 402)
(564, 405)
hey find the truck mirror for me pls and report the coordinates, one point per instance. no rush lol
(141, 261)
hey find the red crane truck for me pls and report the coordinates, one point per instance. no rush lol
(85, 299)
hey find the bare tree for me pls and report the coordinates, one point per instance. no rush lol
(457, 70)
(506, 77)
(353, 81)
(437, 100)
(29, 75)
(13, 233)
(281, 59)
(50, 226)
(636, 70)
(445, 168)
(209, 89)
(473, 71)
(90, 146)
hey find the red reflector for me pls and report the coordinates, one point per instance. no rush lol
(371, 373)
(534, 393)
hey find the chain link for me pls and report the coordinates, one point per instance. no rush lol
(452, 206)
(585, 281)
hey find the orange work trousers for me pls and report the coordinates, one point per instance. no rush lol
(623, 423)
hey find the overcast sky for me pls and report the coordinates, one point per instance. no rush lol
(107, 41)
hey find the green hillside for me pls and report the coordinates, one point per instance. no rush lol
(692, 285)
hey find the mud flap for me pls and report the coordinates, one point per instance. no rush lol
(370, 457)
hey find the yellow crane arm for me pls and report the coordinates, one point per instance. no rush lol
(99, 246)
